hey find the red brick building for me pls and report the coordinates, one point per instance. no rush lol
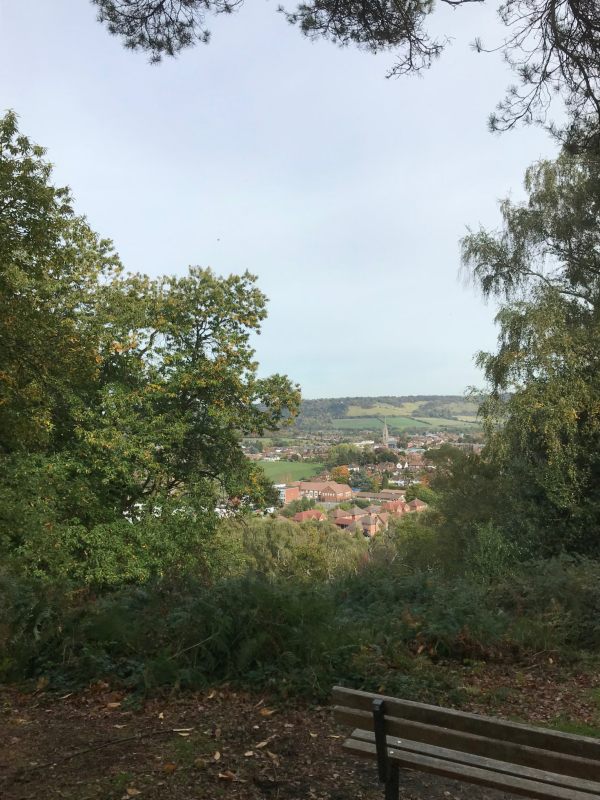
(324, 491)
(287, 493)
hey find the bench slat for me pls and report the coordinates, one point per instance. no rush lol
(497, 749)
(468, 774)
(494, 765)
(517, 733)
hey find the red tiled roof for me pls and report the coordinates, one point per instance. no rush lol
(313, 513)
(355, 511)
(416, 503)
(343, 521)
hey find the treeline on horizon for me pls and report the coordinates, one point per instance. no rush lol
(321, 412)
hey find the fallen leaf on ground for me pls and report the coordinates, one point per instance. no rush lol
(132, 791)
(266, 712)
(264, 743)
(227, 776)
(216, 756)
(169, 767)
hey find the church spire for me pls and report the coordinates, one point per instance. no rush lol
(385, 436)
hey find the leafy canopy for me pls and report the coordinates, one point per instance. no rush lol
(542, 415)
(122, 398)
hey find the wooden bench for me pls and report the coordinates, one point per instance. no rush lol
(515, 758)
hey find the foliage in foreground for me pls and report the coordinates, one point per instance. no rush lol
(298, 613)
(537, 481)
(122, 398)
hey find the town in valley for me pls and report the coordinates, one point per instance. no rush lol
(361, 472)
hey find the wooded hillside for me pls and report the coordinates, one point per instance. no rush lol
(410, 413)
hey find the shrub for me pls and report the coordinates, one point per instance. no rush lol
(296, 610)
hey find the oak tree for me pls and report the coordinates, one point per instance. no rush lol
(122, 398)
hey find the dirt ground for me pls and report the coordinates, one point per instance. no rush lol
(96, 745)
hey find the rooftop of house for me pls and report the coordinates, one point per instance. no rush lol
(384, 494)
(393, 505)
(355, 511)
(370, 519)
(313, 513)
(319, 486)
(416, 503)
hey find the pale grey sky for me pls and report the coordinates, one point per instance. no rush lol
(344, 192)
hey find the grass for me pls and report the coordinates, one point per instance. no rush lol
(466, 408)
(567, 725)
(401, 424)
(286, 471)
(467, 423)
(374, 424)
(463, 409)
(383, 409)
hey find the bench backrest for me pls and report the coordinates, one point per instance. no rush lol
(513, 742)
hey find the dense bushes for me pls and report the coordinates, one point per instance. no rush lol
(257, 603)
(554, 605)
(297, 608)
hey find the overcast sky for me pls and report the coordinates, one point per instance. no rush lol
(344, 192)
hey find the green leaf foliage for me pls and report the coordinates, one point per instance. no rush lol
(122, 398)
(542, 415)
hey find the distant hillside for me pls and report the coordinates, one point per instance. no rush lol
(404, 413)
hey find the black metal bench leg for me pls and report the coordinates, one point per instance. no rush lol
(388, 772)
(392, 784)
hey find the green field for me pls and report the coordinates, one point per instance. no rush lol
(465, 408)
(287, 471)
(383, 410)
(401, 424)
(373, 424)
(463, 424)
